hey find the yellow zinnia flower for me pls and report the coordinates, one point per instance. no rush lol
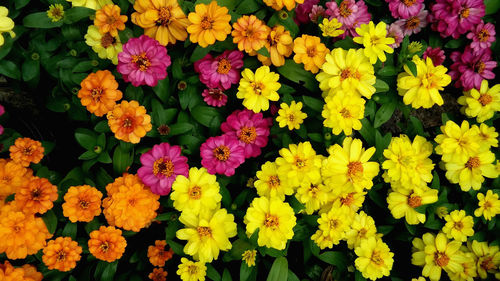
(313, 195)
(361, 228)
(105, 45)
(375, 40)
(481, 104)
(458, 225)
(489, 205)
(469, 270)
(257, 89)
(375, 259)
(299, 164)
(291, 116)
(457, 143)
(208, 24)
(310, 51)
(162, 20)
(334, 225)
(55, 12)
(331, 28)
(423, 89)
(206, 233)
(270, 184)
(279, 45)
(279, 4)
(471, 172)
(6, 24)
(402, 203)
(92, 4)
(192, 271)
(488, 258)
(275, 220)
(347, 71)
(348, 166)
(249, 257)
(487, 136)
(343, 113)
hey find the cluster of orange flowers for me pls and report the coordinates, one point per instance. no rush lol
(158, 255)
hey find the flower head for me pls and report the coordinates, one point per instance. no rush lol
(158, 274)
(375, 259)
(487, 258)
(313, 194)
(456, 17)
(55, 12)
(91, 4)
(82, 203)
(12, 176)
(361, 228)
(108, 19)
(310, 51)
(158, 255)
(214, 97)
(471, 68)
(457, 143)
(375, 41)
(458, 225)
(6, 24)
(192, 271)
(105, 45)
(487, 136)
(250, 33)
(302, 11)
(107, 243)
(36, 195)
(61, 254)
(221, 72)
(143, 61)
(160, 167)
(249, 257)
(129, 121)
(279, 4)
(343, 112)
(333, 226)
(481, 103)
(99, 92)
(350, 13)
(482, 36)
(402, 202)
(405, 9)
(299, 164)
(414, 24)
(489, 205)
(317, 11)
(26, 151)
(471, 171)
(257, 89)
(208, 23)
(270, 184)
(330, 28)
(279, 45)
(291, 116)
(395, 31)
(436, 54)
(222, 155)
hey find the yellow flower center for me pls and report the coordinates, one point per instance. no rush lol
(430, 81)
(458, 225)
(344, 9)
(61, 256)
(274, 181)
(487, 264)
(313, 190)
(412, 23)
(221, 153)
(141, 61)
(483, 35)
(414, 201)
(107, 40)
(441, 259)
(409, 3)
(104, 246)
(354, 169)
(347, 73)
(333, 224)
(257, 87)
(204, 231)
(472, 163)
(300, 163)
(206, 23)
(84, 204)
(377, 259)
(345, 113)
(362, 233)
(247, 135)
(271, 221)
(311, 52)
(164, 16)
(464, 13)
(195, 192)
(487, 205)
(164, 167)
(348, 200)
(485, 99)
(224, 66)
(96, 94)
(193, 269)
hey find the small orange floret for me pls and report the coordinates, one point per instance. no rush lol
(26, 151)
(61, 254)
(82, 203)
(158, 274)
(99, 92)
(107, 243)
(108, 19)
(250, 33)
(36, 196)
(158, 255)
(12, 176)
(129, 121)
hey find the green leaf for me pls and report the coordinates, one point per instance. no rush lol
(212, 273)
(296, 73)
(180, 128)
(413, 68)
(121, 160)
(40, 20)
(358, 276)
(31, 69)
(50, 220)
(367, 131)
(199, 53)
(102, 127)
(21, 3)
(83, 66)
(76, 14)
(334, 258)
(384, 114)
(279, 270)
(69, 230)
(10, 69)
(292, 276)
(388, 70)
(263, 51)
(87, 155)
(492, 6)
(346, 44)
(162, 89)
(254, 237)
(226, 276)
(245, 271)
(109, 271)
(381, 86)
(454, 43)
(104, 158)
(313, 103)
(86, 138)
(207, 116)
(247, 7)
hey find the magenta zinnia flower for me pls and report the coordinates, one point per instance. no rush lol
(395, 32)
(143, 61)
(316, 12)
(436, 55)
(470, 68)
(160, 166)
(222, 71)
(404, 9)
(414, 24)
(350, 13)
(222, 155)
(456, 17)
(214, 97)
(482, 36)
(251, 129)
(302, 11)
(2, 111)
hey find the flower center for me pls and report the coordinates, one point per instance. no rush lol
(216, 94)
(104, 246)
(27, 151)
(141, 61)
(362, 233)
(195, 192)
(110, 20)
(429, 80)
(408, 3)
(193, 269)
(333, 224)
(224, 66)
(487, 205)
(313, 190)
(458, 225)
(412, 23)
(84, 204)
(164, 16)
(36, 193)
(300, 163)
(311, 52)
(164, 130)
(204, 231)
(56, 12)
(472, 163)
(249, 32)
(127, 122)
(221, 153)
(345, 113)
(441, 259)
(414, 201)
(487, 264)
(247, 135)
(347, 73)
(480, 67)
(377, 259)
(61, 255)
(274, 181)
(348, 200)
(107, 40)
(485, 99)
(132, 202)
(206, 23)
(164, 167)
(96, 94)
(16, 228)
(353, 169)
(271, 221)
(344, 9)
(257, 87)
(483, 35)
(464, 13)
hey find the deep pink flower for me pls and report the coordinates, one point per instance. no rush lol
(302, 11)
(251, 129)
(316, 12)
(414, 24)
(222, 155)
(160, 166)
(395, 32)
(214, 97)
(456, 17)
(470, 68)
(221, 72)
(404, 9)
(482, 36)
(2, 111)
(436, 55)
(350, 13)
(143, 61)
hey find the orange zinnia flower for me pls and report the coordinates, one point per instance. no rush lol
(25, 273)
(12, 176)
(36, 196)
(279, 4)
(162, 20)
(61, 254)
(157, 254)
(107, 243)
(250, 34)
(82, 203)
(209, 23)
(279, 45)
(108, 19)
(132, 206)
(26, 151)
(31, 273)
(129, 121)
(21, 234)
(158, 274)
(310, 51)
(99, 92)
(126, 179)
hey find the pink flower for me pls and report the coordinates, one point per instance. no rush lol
(456, 17)
(143, 61)
(404, 9)
(350, 13)
(436, 55)
(160, 166)
(2, 111)
(214, 97)
(251, 129)
(222, 155)
(470, 68)
(316, 12)
(221, 72)
(482, 36)
(395, 32)
(414, 24)
(302, 11)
